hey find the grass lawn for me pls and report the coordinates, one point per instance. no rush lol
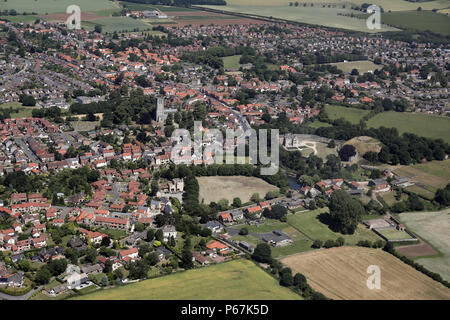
(114, 234)
(232, 62)
(18, 110)
(421, 124)
(389, 197)
(20, 18)
(295, 247)
(313, 224)
(318, 124)
(394, 234)
(235, 280)
(352, 115)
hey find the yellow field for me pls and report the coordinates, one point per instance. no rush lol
(340, 273)
(365, 144)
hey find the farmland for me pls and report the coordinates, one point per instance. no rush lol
(421, 124)
(341, 273)
(236, 280)
(216, 188)
(55, 6)
(315, 15)
(432, 227)
(118, 24)
(352, 115)
(429, 176)
(418, 20)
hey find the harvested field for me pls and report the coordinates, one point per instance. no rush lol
(341, 273)
(216, 188)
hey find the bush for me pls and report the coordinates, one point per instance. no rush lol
(329, 244)
(317, 244)
(243, 231)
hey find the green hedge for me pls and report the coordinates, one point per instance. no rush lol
(20, 292)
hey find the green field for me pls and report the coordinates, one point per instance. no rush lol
(418, 20)
(21, 18)
(18, 110)
(421, 124)
(118, 24)
(433, 227)
(310, 224)
(318, 124)
(140, 6)
(236, 280)
(55, 6)
(316, 15)
(352, 115)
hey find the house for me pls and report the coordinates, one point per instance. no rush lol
(76, 243)
(217, 246)
(237, 215)
(58, 289)
(169, 231)
(17, 257)
(129, 254)
(200, 258)
(277, 238)
(93, 269)
(225, 217)
(246, 246)
(254, 212)
(379, 184)
(214, 226)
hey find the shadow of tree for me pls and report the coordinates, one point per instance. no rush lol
(326, 219)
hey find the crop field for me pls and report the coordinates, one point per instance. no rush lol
(417, 20)
(315, 225)
(219, 187)
(361, 66)
(318, 14)
(433, 227)
(421, 124)
(236, 280)
(55, 6)
(352, 115)
(341, 274)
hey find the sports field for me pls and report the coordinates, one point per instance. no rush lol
(229, 187)
(361, 66)
(55, 6)
(236, 280)
(421, 124)
(315, 225)
(341, 274)
(434, 228)
(352, 115)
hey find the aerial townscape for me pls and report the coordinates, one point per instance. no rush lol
(114, 183)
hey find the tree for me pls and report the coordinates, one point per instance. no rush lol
(346, 152)
(345, 211)
(98, 28)
(286, 279)
(329, 244)
(332, 144)
(150, 234)
(243, 231)
(159, 235)
(442, 196)
(106, 241)
(317, 244)
(43, 275)
(255, 197)
(237, 203)
(27, 100)
(262, 253)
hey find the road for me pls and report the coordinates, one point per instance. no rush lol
(26, 296)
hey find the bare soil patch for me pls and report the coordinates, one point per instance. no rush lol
(417, 250)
